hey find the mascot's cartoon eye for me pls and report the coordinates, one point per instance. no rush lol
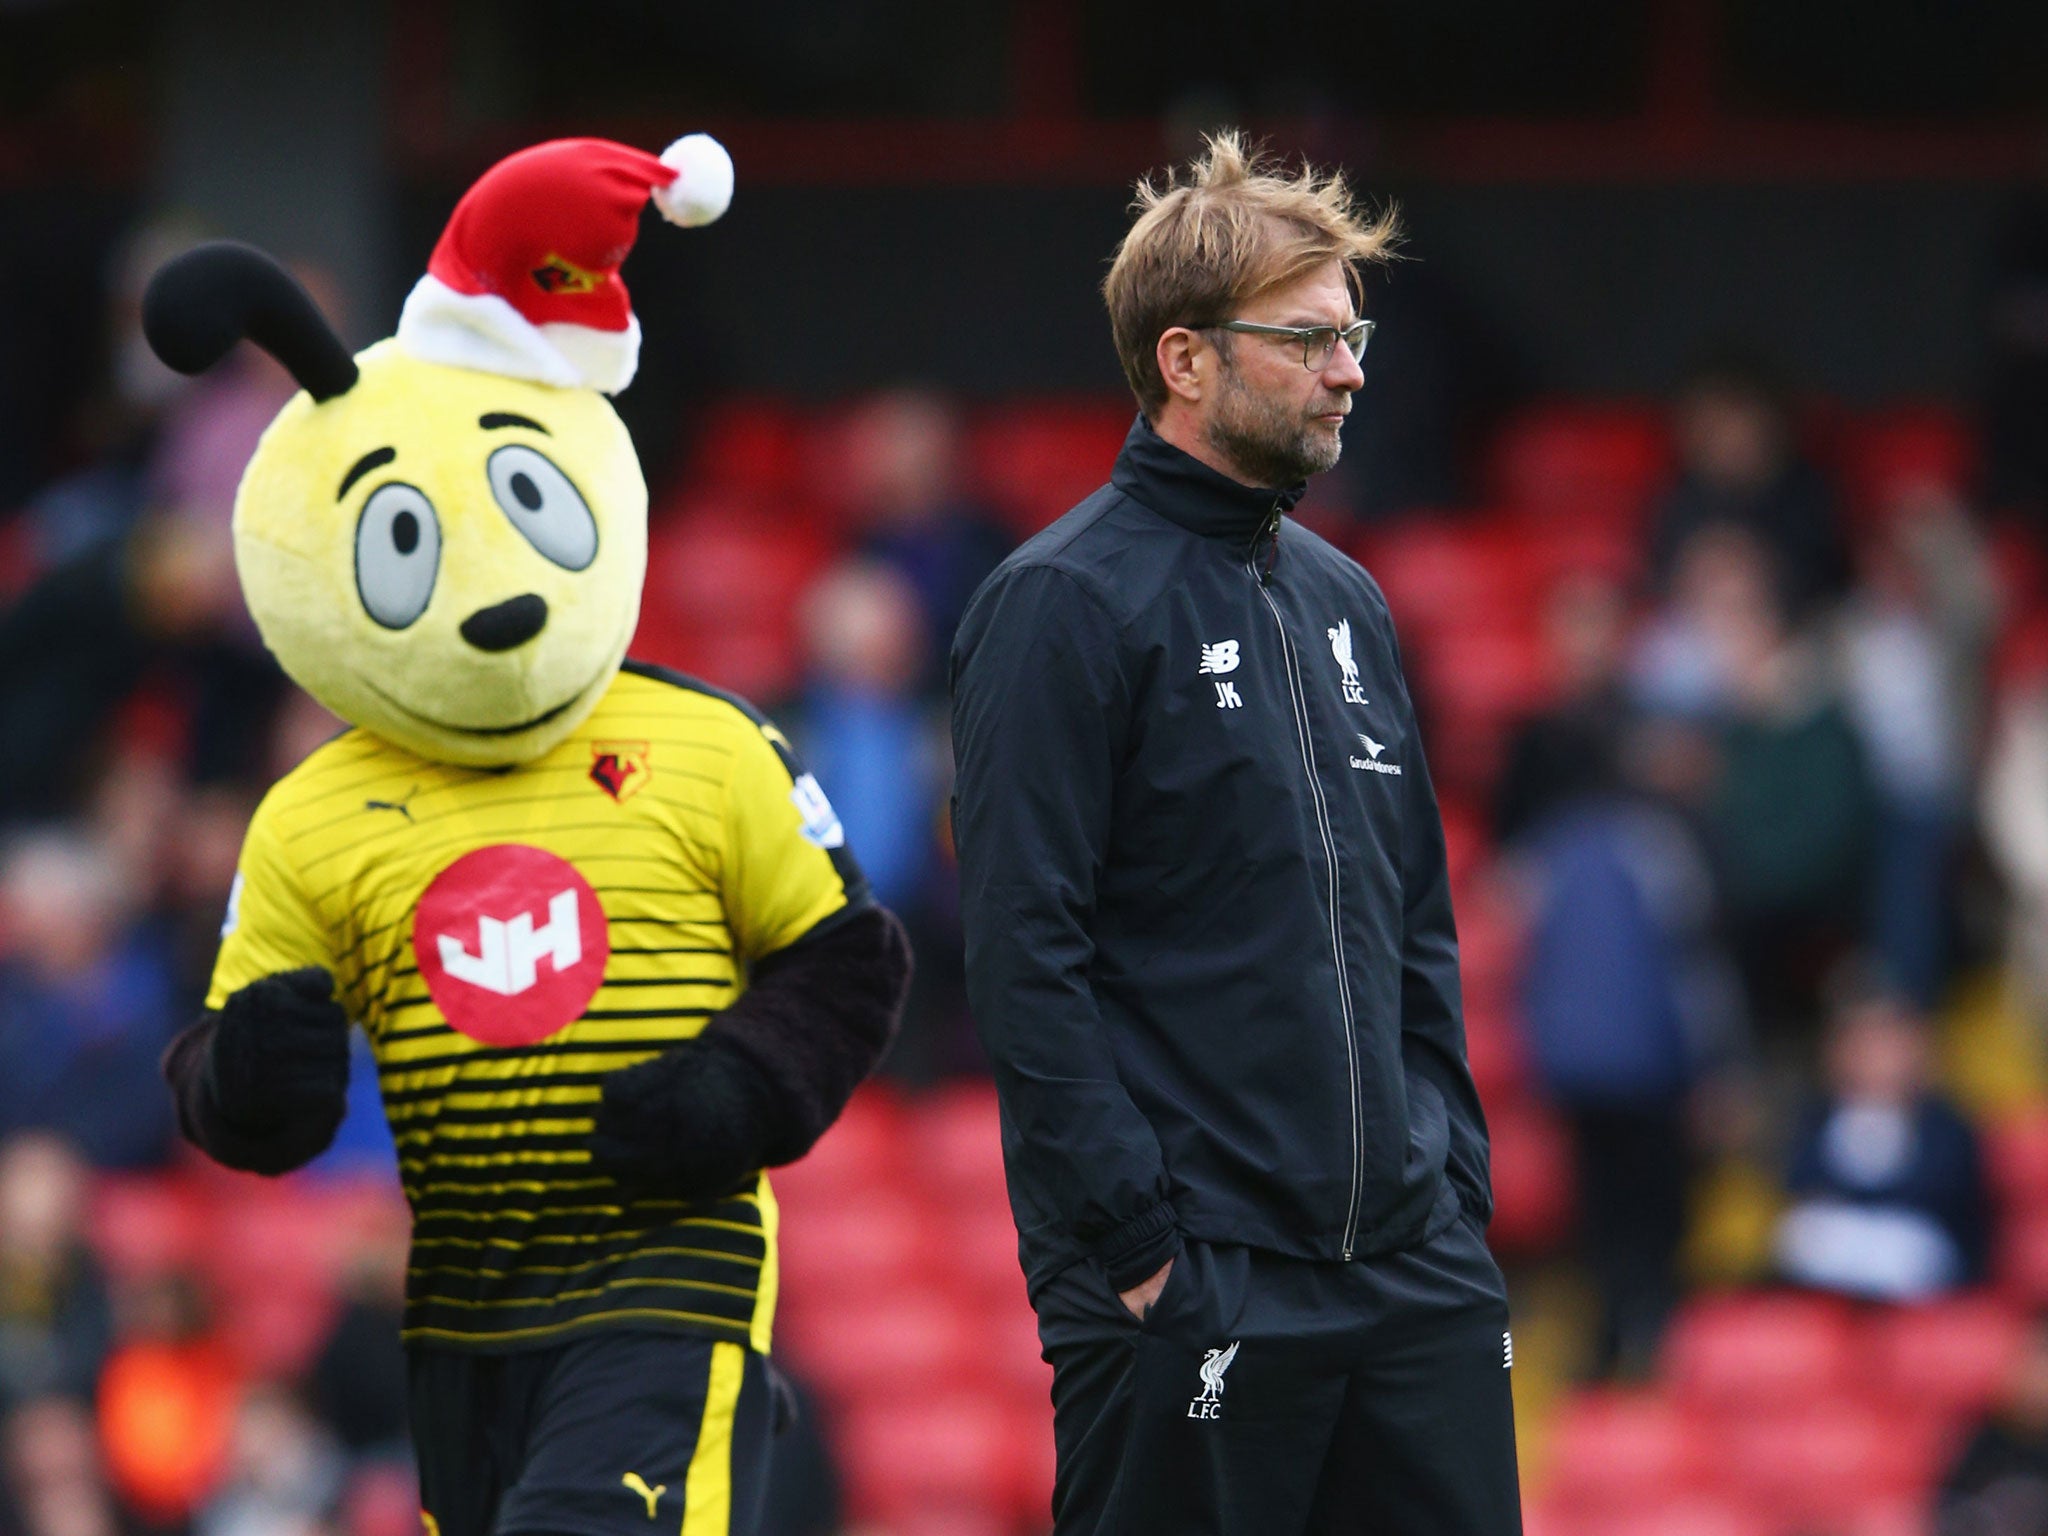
(398, 554)
(543, 505)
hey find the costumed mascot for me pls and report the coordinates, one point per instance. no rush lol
(601, 928)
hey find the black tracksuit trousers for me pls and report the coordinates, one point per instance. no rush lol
(1268, 1396)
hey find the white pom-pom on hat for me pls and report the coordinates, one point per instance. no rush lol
(702, 189)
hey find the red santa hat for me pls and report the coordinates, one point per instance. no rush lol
(525, 280)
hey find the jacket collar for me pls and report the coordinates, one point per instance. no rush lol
(1181, 488)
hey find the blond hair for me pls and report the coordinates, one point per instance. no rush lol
(1236, 227)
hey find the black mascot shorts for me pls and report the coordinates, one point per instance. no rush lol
(1267, 1396)
(614, 1434)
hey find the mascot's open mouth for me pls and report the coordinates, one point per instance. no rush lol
(475, 730)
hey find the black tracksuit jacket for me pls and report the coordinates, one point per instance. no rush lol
(1210, 949)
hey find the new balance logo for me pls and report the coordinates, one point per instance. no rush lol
(1220, 657)
(1507, 1350)
(1208, 1403)
(1227, 698)
(638, 1484)
(508, 955)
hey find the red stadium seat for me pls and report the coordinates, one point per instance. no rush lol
(1467, 843)
(1496, 672)
(1446, 571)
(2021, 565)
(1493, 1047)
(2016, 1155)
(19, 566)
(1772, 1350)
(752, 446)
(2022, 1256)
(1656, 1516)
(955, 1143)
(862, 1151)
(1009, 1358)
(1824, 1459)
(1613, 1452)
(915, 1456)
(863, 1244)
(726, 573)
(1032, 1463)
(1898, 1516)
(1581, 463)
(1533, 1179)
(1946, 1356)
(1901, 451)
(275, 1335)
(980, 1249)
(146, 1225)
(1479, 680)
(953, 1520)
(910, 1341)
(1034, 460)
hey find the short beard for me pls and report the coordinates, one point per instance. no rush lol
(1265, 440)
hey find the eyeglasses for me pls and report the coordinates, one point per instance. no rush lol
(1318, 342)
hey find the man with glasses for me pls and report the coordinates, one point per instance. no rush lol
(1209, 936)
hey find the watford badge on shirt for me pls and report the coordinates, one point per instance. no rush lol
(619, 768)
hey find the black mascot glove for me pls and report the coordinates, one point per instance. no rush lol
(691, 1124)
(280, 1050)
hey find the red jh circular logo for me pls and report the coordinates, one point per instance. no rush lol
(512, 943)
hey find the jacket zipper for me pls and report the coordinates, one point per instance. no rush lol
(1299, 703)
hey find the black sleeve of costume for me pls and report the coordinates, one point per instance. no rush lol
(262, 1085)
(1041, 710)
(769, 1074)
(1432, 1003)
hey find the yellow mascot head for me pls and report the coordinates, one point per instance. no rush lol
(443, 538)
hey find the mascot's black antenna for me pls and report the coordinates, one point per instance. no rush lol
(203, 302)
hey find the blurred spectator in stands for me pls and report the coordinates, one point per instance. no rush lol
(2016, 387)
(193, 893)
(1788, 806)
(1886, 1179)
(903, 482)
(55, 1327)
(878, 746)
(1739, 466)
(115, 430)
(159, 606)
(1629, 1004)
(1683, 663)
(52, 1481)
(1570, 749)
(2014, 808)
(862, 727)
(1913, 641)
(286, 1472)
(358, 1381)
(167, 1401)
(86, 999)
(1998, 1485)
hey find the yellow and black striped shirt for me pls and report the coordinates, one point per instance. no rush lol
(507, 939)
